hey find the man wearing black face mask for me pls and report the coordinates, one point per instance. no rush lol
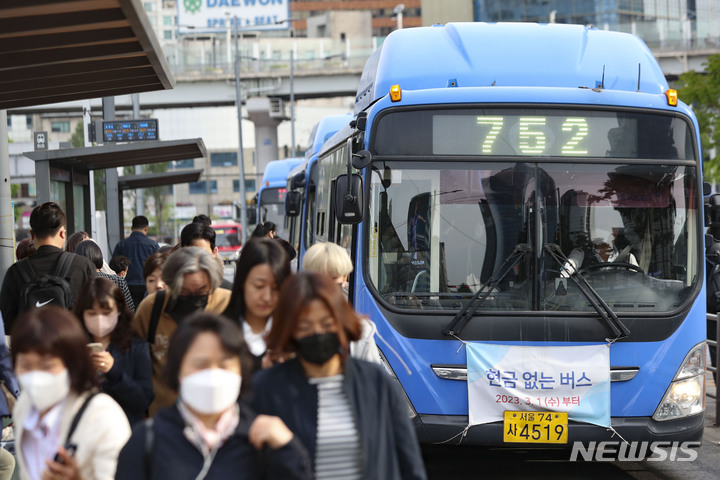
(193, 279)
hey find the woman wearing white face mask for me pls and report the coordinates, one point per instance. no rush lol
(123, 363)
(208, 434)
(57, 378)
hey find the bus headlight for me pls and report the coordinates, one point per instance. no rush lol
(686, 394)
(411, 410)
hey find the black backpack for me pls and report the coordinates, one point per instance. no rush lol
(46, 289)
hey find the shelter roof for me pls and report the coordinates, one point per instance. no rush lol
(131, 182)
(61, 50)
(122, 154)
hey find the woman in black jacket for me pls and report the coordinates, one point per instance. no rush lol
(349, 414)
(121, 358)
(208, 434)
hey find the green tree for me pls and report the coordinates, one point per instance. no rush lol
(78, 140)
(702, 92)
(159, 196)
(15, 193)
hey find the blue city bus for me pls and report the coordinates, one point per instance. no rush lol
(271, 194)
(490, 175)
(302, 180)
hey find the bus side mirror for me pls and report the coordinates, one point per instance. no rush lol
(298, 180)
(361, 159)
(292, 203)
(349, 199)
(251, 215)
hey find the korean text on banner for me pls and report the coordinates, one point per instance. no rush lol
(573, 379)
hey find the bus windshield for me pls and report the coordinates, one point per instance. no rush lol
(437, 235)
(272, 205)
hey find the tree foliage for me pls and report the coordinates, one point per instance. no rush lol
(160, 200)
(702, 92)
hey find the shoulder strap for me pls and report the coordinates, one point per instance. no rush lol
(63, 265)
(77, 417)
(155, 315)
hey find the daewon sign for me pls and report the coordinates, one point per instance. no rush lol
(214, 15)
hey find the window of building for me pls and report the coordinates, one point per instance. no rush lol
(189, 163)
(249, 185)
(28, 122)
(62, 127)
(167, 20)
(202, 187)
(148, 6)
(223, 159)
(9, 121)
(167, 34)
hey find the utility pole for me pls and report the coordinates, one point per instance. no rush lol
(240, 158)
(7, 215)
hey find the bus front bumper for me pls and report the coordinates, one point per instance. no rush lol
(449, 428)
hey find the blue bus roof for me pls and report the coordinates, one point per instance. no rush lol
(325, 129)
(277, 171)
(508, 54)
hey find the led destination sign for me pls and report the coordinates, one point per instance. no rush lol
(130, 130)
(533, 133)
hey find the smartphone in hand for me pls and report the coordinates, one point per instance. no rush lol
(96, 347)
(70, 448)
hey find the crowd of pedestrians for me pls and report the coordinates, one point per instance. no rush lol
(153, 366)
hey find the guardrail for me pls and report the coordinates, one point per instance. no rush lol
(713, 318)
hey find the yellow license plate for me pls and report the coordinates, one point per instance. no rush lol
(535, 427)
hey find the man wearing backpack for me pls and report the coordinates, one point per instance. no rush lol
(51, 276)
(137, 247)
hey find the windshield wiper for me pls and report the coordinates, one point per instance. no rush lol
(468, 310)
(607, 314)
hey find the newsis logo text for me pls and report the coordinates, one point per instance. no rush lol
(612, 451)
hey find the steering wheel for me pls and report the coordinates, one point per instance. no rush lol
(599, 266)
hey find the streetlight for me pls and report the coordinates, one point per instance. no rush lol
(238, 102)
(398, 11)
(292, 85)
(241, 160)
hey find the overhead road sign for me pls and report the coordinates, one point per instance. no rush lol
(69, 50)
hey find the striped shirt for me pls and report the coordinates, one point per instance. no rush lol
(338, 453)
(120, 282)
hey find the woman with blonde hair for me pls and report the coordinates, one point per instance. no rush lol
(330, 259)
(334, 261)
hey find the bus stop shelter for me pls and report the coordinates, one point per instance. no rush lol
(61, 50)
(62, 176)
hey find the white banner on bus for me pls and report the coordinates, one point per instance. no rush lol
(219, 15)
(575, 380)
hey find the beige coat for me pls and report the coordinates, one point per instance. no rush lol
(100, 435)
(217, 303)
